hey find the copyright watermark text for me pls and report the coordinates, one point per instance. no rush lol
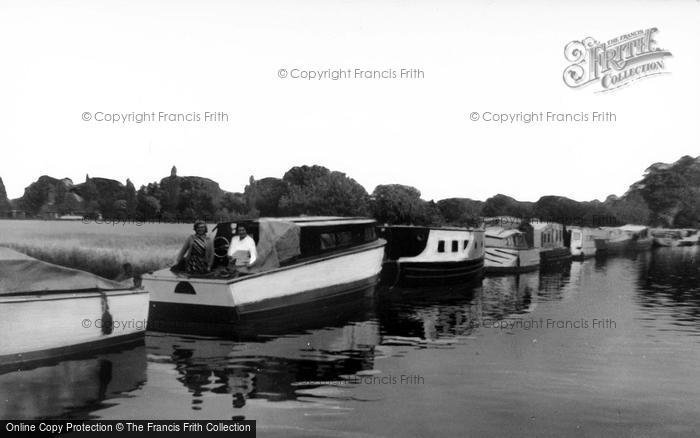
(525, 118)
(338, 74)
(117, 118)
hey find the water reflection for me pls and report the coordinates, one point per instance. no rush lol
(553, 282)
(308, 356)
(71, 388)
(669, 285)
(412, 317)
(277, 357)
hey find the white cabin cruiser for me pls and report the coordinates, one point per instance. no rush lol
(299, 260)
(48, 311)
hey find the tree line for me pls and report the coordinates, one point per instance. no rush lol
(667, 195)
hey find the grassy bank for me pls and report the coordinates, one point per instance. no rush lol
(98, 248)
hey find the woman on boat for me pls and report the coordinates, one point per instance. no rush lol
(197, 253)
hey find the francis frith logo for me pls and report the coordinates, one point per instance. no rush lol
(616, 62)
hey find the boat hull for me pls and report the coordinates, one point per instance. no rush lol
(423, 274)
(666, 241)
(555, 256)
(178, 298)
(582, 253)
(642, 244)
(509, 260)
(43, 326)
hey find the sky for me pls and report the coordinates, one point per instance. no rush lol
(62, 59)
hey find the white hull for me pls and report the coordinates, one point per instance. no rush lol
(41, 326)
(584, 252)
(305, 281)
(666, 241)
(511, 260)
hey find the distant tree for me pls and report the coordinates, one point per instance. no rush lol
(170, 195)
(119, 209)
(38, 195)
(304, 176)
(233, 203)
(130, 197)
(264, 195)
(89, 190)
(460, 211)
(502, 205)
(399, 204)
(630, 208)
(5, 206)
(317, 191)
(433, 216)
(147, 205)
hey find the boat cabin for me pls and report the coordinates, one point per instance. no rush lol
(545, 235)
(431, 243)
(298, 238)
(499, 237)
(635, 231)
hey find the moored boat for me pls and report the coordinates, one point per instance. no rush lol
(548, 237)
(692, 238)
(616, 240)
(507, 251)
(666, 237)
(426, 256)
(48, 311)
(628, 238)
(299, 260)
(583, 241)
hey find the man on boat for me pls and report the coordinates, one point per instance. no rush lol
(242, 248)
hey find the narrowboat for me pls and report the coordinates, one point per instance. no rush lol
(48, 311)
(507, 251)
(548, 238)
(666, 237)
(583, 241)
(692, 237)
(299, 260)
(628, 238)
(428, 256)
(641, 238)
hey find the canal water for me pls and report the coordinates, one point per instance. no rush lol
(600, 347)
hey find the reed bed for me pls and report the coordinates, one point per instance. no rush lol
(98, 248)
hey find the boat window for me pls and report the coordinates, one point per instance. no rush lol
(370, 234)
(343, 238)
(184, 287)
(441, 246)
(466, 243)
(455, 246)
(327, 241)
(576, 235)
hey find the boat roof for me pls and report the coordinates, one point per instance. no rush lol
(500, 232)
(538, 225)
(304, 221)
(633, 228)
(420, 227)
